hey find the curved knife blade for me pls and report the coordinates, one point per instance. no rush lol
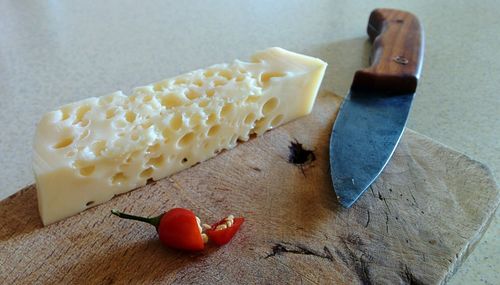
(365, 134)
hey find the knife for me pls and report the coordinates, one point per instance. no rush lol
(373, 115)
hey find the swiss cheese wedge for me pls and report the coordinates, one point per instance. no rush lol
(88, 151)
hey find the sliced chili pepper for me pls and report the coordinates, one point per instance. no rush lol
(223, 231)
(178, 228)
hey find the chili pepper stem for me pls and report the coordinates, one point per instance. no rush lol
(155, 221)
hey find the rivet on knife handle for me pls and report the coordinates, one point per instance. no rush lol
(398, 51)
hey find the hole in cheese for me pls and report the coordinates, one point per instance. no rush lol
(227, 109)
(153, 148)
(219, 82)
(80, 113)
(110, 113)
(267, 76)
(158, 86)
(226, 74)
(249, 119)
(130, 116)
(203, 103)
(185, 140)
(171, 100)
(198, 82)
(210, 92)
(259, 124)
(192, 95)
(87, 171)
(211, 118)
(270, 105)
(118, 178)
(240, 78)
(208, 73)
(63, 143)
(180, 81)
(213, 131)
(146, 173)
(65, 113)
(156, 162)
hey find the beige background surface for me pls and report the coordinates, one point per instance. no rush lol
(55, 53)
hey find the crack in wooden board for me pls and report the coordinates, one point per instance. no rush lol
(415, 225)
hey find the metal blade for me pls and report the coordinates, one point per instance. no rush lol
(364, 137)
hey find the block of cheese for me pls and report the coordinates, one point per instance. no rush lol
(89, 151)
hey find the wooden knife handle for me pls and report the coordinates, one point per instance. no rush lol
(397, 55)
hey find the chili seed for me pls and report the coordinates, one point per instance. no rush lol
(204, 237)
(221, 227)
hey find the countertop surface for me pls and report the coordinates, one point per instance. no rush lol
(56, 53)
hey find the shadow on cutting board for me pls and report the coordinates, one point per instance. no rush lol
(121, 264)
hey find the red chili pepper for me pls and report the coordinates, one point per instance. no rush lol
(223, 231)
(178, 228)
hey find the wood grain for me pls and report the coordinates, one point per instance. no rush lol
(415, 225)
(397, 54)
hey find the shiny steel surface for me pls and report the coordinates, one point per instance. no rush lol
(364, 137)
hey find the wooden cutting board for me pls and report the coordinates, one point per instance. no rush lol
(415, 225)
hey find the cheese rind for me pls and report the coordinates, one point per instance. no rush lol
(89, 151)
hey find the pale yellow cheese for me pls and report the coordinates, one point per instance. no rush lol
(88, 151)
